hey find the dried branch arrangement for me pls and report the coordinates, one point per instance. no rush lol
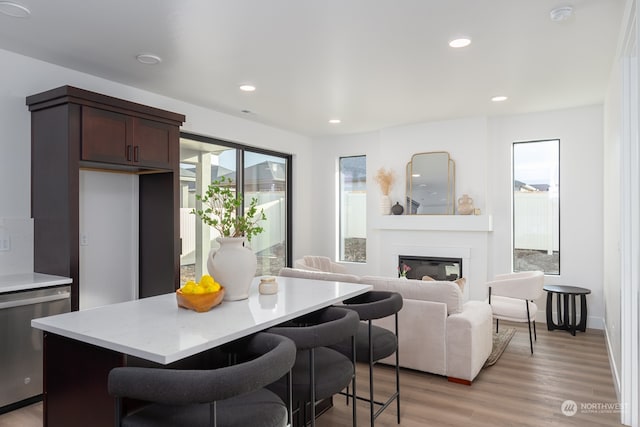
(385, 179)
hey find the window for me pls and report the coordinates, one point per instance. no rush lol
(264, 175)
(353, 209)
(536, 206)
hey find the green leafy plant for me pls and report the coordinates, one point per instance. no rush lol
(220, 207)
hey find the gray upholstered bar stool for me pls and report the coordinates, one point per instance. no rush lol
(228, 396)
(320, 372)
(374, 343)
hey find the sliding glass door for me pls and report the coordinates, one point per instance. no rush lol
(262, 175)
(265, 178)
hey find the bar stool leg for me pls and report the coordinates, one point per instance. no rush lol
(397, 370)
(371, 406)
(572, 302)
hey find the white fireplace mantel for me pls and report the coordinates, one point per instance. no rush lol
(434, 222)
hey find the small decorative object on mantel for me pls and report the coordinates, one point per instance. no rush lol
(385, 180)
(397, 209)
(233, 265)
(465, 205)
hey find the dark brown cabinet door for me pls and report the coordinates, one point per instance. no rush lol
(152, 143)
(106, 136)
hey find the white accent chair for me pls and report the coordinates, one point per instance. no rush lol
(319, 263)
(512, 296)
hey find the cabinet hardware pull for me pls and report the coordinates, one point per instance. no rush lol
(129, 147)
(136, 152)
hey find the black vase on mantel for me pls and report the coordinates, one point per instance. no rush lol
(397, 209)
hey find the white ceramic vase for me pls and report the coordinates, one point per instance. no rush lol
(233, 266)
(385, 205)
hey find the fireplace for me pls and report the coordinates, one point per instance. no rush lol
(437, 268)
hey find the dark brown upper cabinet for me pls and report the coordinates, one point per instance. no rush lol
(109, 137)
(72, 129)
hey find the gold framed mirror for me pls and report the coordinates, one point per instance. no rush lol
(430, 184)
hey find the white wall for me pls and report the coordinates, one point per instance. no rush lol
(611, 221)
(481, 148)
(392, 148)
(25, 76)
(580, 131)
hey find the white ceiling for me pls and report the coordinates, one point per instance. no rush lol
(372, 63)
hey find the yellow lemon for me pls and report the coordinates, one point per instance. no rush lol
(198, 289)
(213, 287)
(188, 287)
(206, 280)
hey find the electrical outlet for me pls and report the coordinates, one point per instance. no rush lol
(84, 240)
(5, 244)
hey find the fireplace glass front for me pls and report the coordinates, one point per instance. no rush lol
(435, 267)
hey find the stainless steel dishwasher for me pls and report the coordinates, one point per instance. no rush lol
(21, 345)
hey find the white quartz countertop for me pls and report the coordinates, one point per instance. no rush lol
(29, 281)
(157, 329)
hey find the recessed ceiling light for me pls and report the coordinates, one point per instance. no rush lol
(334, 121)
(14, 9)
(460, 42)
(499, 98)
(247, 88)
(149, 59)
(561, 13)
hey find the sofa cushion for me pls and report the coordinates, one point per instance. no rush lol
(438, 291)
(318, 275)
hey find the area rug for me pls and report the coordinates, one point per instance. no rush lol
(500, 342)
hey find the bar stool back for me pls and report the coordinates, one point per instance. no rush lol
(320, 372)
(228, 396)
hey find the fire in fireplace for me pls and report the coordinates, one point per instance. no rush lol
(435, 267)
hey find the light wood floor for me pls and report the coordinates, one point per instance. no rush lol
(519, 390)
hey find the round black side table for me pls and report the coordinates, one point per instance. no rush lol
(567, 294)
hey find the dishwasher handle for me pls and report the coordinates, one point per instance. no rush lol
(35, 300)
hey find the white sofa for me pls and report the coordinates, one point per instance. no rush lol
(319, 263)
(438, 332)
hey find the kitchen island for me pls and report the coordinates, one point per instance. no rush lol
(81, 347)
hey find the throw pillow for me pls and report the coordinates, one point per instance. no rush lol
(461, 282)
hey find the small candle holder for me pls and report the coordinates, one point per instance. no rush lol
(268, 285)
